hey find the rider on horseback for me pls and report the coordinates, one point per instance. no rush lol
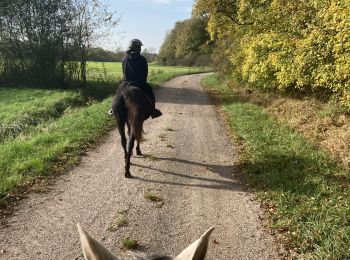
(135, 72)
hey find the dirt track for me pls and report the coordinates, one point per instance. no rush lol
(189, 163)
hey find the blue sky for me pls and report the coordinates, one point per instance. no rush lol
(147, 20)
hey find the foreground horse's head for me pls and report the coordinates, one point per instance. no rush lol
(94, 250)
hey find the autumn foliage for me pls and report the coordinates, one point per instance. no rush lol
(187, 44)
(282, 44)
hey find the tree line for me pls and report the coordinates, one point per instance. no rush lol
(102, 55)
(282, 44)
(188, 44)
(48, 41)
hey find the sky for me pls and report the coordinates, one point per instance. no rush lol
(147, 20)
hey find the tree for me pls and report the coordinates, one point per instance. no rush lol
(281, 44)
(150, 54)
(99, 54)
(47, 41)
(188, 43)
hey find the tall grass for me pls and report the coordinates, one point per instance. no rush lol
(16, 101)
(305, 189)
(24, 108)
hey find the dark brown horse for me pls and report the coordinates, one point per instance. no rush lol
(131, 106)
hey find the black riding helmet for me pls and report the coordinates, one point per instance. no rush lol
(135, 45)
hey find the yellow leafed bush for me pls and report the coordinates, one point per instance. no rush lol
(283, 44)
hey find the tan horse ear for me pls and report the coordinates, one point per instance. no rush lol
(198, 249)
(92, 249)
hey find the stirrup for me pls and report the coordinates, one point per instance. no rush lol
(110, 112)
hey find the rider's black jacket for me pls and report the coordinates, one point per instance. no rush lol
(135, 71)
(135, 68)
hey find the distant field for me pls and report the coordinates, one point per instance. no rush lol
(156, 73)
(44, 131)
(104, 70)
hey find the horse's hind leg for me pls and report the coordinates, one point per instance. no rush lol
(138, 150)
(120, 114)
(129, 153)
(129, 129)
(121, 129)
(123, 138)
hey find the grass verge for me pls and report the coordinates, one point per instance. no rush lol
(52, 147)
(305, 189)
(39, 113)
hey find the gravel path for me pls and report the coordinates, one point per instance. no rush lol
(188, 163)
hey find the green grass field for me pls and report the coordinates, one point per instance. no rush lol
(305, 190)
(44, 131)
(156, 73)
(104, 71)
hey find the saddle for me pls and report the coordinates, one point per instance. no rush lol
(135, 84)
(155, 112)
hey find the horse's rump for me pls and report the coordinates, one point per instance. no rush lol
(138, 106)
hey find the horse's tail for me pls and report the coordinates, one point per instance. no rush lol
(134, 119)
(135, 122)
(138, 106)
(138, 129)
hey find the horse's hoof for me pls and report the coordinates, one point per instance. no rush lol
(128, 175)
(138, 152)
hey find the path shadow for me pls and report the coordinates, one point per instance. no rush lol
(226, 171)
(300, 175)
(182, 96)
(192, 178)
(189, 96)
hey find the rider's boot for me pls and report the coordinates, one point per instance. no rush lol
(156, 113)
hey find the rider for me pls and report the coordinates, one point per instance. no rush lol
(135, 72)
